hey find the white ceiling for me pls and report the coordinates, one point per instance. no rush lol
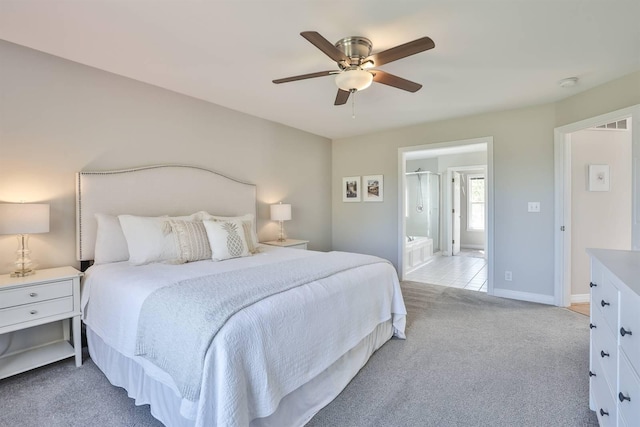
(489, 55)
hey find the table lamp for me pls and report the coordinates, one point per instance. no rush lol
(281, 212)
(23, 219)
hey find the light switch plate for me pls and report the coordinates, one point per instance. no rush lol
(534, 206)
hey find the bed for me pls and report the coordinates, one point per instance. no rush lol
(284, 350)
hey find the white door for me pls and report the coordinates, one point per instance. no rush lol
(455, 246)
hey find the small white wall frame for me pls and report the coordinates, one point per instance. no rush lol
(598, 178)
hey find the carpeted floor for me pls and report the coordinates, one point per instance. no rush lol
(469, 360)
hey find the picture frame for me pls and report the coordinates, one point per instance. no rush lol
(373, 188)
(351, 189)
(598, 178)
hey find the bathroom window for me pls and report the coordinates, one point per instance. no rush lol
(475, 202)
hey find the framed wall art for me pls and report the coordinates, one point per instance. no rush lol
(373, 188)
(351, 189)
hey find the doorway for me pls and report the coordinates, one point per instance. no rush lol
(572, 179)
(425, 243)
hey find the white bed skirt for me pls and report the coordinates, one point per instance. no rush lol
(295, 409)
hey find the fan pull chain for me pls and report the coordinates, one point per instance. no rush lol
(353, 104)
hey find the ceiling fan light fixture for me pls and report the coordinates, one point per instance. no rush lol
(354, 79)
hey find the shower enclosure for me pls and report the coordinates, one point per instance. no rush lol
(422, 220)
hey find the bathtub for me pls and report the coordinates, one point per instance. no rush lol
(417, 252)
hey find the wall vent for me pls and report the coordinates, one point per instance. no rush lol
(620, 125)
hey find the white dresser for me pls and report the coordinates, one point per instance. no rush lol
(614, 385)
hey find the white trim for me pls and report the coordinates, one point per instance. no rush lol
(472, 246)
(524, 296)
(580, 298)
(562, 167)
(489, 245)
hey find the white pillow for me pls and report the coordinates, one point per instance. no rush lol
(150, 239)
(111, 245)
(191, 239)
(249, 227)
(227, 239)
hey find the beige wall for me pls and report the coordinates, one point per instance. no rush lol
(523, 171)
(59, 117)
(599, 219)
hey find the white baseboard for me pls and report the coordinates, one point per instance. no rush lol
(472, 246)
(580, 298)
(524, 296)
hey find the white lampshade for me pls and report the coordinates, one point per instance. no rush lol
(281, 212)
(354, 79)
(24, 218)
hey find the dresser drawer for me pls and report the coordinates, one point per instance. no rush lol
(630, 327)
(36, 293)
(628, 393)
(27, 312)
(604, 353)
(606, 300)
(605, 406)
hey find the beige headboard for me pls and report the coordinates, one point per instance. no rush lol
(153, 191)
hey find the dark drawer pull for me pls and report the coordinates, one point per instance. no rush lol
(603, 354)
(603, 303)
(624, 332)
(622, 397)
(33, 312)
(592, 285)
(603, 412)
(592, 326)
(591, 374)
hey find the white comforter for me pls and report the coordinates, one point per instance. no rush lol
(252, 363)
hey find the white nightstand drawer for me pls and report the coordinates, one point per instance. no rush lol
(606, 408)
(31, 294)
(27, 312)
(630, 327)
(606, 299)
(605, 350)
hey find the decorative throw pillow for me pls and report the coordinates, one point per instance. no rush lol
(227, 239)
(150, 239)
(191, 240)
(111, 245)
(248, 226)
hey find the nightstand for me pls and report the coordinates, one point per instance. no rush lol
(49, 295)
(289, 243)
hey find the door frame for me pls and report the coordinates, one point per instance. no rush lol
(448, 203)
(562, 169)
(489, 242)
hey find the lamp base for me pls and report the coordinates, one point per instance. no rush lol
(23, 266)
(22, 273)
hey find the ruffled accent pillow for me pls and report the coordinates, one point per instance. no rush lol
(191, 240)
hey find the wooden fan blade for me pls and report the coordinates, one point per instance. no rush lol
(305, 76)
(395, 81)
(401, 51)
(325, 46)
(342, 97)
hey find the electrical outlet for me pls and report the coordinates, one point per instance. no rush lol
(534, 207)
(508, 276)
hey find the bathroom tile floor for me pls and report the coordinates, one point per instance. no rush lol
(464, 272)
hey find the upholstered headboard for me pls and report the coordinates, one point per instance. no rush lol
(153, 191)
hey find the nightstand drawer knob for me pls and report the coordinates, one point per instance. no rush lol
(33, 294)
(624, 332)
(603, 303)
(591, 326)
(591, 285)
(603, 354)
(603, 412)
(33, 312)
(591, 374)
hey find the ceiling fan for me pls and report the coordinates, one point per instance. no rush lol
(355, 63)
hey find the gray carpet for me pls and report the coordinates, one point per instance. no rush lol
(469, 360)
